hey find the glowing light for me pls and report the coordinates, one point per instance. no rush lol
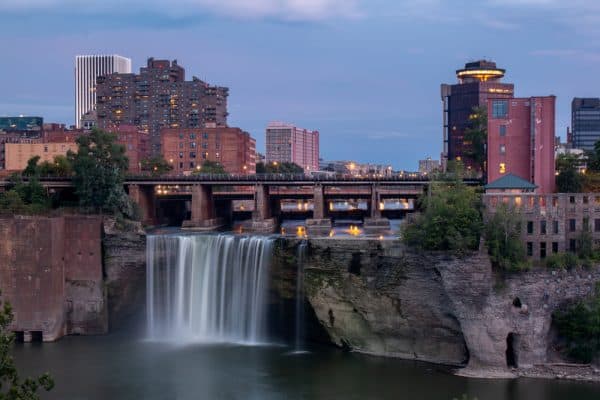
(331, 233)
(300, 231)
(502, 168)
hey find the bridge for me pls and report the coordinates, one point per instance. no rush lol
(205, 201)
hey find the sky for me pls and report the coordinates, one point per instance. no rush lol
(365, 73)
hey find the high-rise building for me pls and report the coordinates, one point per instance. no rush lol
(477, 82)
(159, 97)
(87, 69)
(521, 140)
(428, 165)
(186, 149)
(585, 123)
(288, 143)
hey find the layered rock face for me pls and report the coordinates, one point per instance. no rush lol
(378, 297)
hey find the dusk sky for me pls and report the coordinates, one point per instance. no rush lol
(366, 74)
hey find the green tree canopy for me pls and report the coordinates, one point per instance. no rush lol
(476, 138)
(503, 239)
(12, 387)
(156, 166)
(211, 167)
(450, 219)
(99, 166)
(278, 168)
(568, 180)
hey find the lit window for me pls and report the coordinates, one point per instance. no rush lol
(502, 149)
(502, 168)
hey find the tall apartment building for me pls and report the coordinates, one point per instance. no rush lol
(477, 82)
(159, 97)
(186, 149)
(521, 140)
(585, 123)
(288, 143)
(87, 70)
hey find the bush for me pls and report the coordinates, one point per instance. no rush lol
(562, 261)
(579, 325)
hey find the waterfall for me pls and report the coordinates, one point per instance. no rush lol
(300, 259)
(210, 288)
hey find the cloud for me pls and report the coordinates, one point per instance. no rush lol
(293, 10)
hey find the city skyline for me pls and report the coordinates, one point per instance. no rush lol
(355, 74)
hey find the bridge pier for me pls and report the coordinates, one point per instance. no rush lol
(145, 198)
(202, 209)
(262, 217)
(375, 223)
(318, 224)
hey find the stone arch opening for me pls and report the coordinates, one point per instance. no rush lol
(37, 336)
(512, 354)
(517, 302)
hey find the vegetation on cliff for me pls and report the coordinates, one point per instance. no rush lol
(450, 219)
(12, 387)
(503, 240)
(579, 325)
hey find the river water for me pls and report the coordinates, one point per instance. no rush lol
(123, 366)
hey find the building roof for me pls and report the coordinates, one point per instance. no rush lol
(510, 181)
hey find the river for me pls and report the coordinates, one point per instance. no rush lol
(124, 366)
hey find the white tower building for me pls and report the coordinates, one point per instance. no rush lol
(87, 69)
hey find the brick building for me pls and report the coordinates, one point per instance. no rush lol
(136, 143)
(551, 223)
(17, 154)
(288, 143)
(477, 82)
(521, 140)
(159, 97)
(187, 149)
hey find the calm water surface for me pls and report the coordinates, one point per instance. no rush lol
(121, 366)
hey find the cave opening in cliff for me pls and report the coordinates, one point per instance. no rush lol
(37, 336)
(512, 341)
(517, 302)
(19, 336)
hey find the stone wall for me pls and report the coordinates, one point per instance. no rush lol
(51, 273)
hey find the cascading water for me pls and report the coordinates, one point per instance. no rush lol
(300, 258)
(210, 288)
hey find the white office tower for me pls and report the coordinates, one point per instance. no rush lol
(87, 69)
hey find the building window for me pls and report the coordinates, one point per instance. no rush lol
(180, 165)
(502, 129)
(192, 136)
(193, 145)
(572, 199)
(542, 227)
(529, 227)
(205, 145)
(597, 225)
(555, 247)
(554, 201)
(205, 135)
(181, 136)
(572, 225)
(181, 145)
(555, 227)
(191, 164)
(181, 155)
(586, 223)
(502, 149)
(502, 168)
(529, 249)
(499, 108)
(585, 199)
(572, 245)
(192, 154)
(542, 249)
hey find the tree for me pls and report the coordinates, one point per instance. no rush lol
(476, 138)
(503, 239)
(278, 168)
(568, 180)
(450, 219)
(61, 166)
(211, 167)
(156, 166)
(99, 166)
(11, 385)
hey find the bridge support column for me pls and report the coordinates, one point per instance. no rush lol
(375, 224)
(318, 225)
(262, 217)
(202, 209)
(144, 197)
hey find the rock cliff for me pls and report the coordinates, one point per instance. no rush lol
(377, 297)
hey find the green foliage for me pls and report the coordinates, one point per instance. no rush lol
(11, 385)
(579, 325)
(211, 167)
(450, 219)
(585, 244)
(476, 136)
(25, 197)
(503, 240)
(562, 261)
(156, 166)
(278, 168)
(99, 166)
(61, 166)
(568, 180)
